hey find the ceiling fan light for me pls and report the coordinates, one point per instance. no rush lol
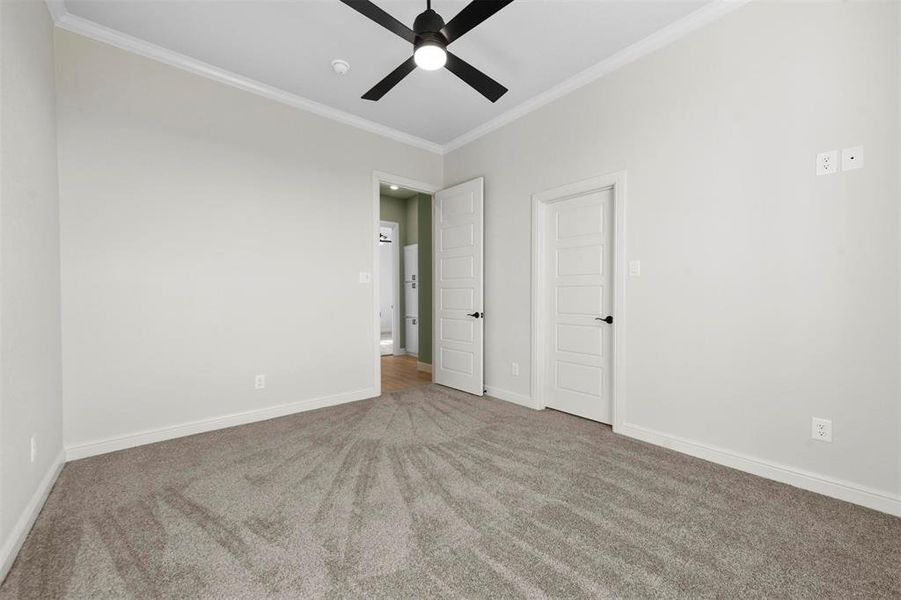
(430, 57)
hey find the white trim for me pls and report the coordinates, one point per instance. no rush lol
(435, 302)
(513, 397)
(663, 37)
(821, 484)
(669, 34)
(23, 526)
(540, 201)
(161, 434)
(424, 367)
(410, 184)
(100, 33)
(394, 226)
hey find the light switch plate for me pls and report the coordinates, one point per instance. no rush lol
(852, 158)
(365, 277)
(827, 162)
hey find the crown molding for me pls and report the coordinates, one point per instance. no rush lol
(57, 9)
(669, 34)
(663, 37)
(69, 22)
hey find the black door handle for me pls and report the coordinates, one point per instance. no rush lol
(607, 319)
(477, 315)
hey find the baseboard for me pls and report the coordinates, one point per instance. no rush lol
(23, 526)
(828, 486)
(509, 396)
(85, 450)
(424, 367)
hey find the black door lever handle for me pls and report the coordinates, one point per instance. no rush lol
(477, 315)
(607, 319)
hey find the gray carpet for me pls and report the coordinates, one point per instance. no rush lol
(432, 493)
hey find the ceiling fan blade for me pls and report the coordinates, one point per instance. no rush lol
(392, 79)
(475, 78)
(474, 13)
(370, 10)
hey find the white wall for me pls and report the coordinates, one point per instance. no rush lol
(388, 287)
(208, 235)
(767, 295)
(30, 396)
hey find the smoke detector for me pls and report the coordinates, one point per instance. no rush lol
(341, 67)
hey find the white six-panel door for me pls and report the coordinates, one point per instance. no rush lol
(578, 277)
(459, 324)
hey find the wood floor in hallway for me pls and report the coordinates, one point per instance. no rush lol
(400, 373)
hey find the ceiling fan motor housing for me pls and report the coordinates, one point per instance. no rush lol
(427, 27)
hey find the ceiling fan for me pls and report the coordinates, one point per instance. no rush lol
(430, 37)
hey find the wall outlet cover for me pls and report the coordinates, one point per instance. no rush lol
(821, 429)
(827, 162)
(634, 268)
(852, 158)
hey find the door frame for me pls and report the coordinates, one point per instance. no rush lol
(379, 177)
(540, 204)
(394, 226)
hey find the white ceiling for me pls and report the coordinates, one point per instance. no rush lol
(530, 46)
(401, 193)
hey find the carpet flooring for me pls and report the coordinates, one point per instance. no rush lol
(431, 493)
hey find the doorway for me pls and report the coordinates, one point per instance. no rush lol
(389, 305)
(577, 298)
(404, 281)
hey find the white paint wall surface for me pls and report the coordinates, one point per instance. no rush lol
(388, 283)
(30, 372)
(767, 295)
(208, 235)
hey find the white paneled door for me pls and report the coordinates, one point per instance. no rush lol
(459, 320)
(578, 268)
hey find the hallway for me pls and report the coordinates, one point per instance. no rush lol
(400, 373)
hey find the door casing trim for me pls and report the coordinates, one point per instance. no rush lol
(540, 203)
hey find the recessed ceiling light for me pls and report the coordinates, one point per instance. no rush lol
(394, 188)
(341, 67)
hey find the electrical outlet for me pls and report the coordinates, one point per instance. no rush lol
(827, 162)
(514, 368)
(852, 158)
(259, 382)
(34, 448)
(634, 268)
(821, 429)
(365, 277)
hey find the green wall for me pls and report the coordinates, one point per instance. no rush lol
(414, 216)
(411, 211)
